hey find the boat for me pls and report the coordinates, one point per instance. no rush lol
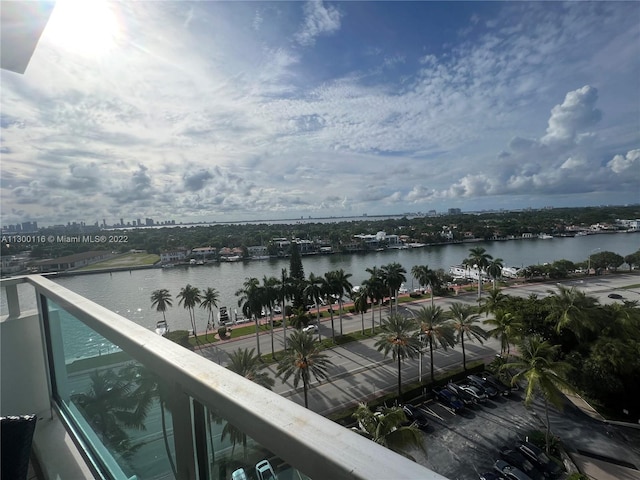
(161, 327)
(545, 236)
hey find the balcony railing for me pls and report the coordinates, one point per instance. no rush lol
(136, 405)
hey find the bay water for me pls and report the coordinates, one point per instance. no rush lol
(128, 292)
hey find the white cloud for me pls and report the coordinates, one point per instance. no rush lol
(318, 20)
(575, 114)
(622, 163)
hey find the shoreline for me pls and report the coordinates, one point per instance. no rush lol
(67, 273)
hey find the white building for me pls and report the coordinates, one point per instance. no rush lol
(171, 256)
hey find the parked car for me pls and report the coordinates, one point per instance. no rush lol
(312, 328)
(490, 476)
(539, 458)
(496, 383)
(616, 296)
(509, 472)
(416, 415)
(518, 460)
(449, 398)
(239, 474)
(475, 392)
(482, 384)
(264, 471)
(461, 394)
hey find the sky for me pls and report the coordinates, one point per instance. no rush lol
(230, 111)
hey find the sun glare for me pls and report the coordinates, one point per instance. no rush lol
(88, 27)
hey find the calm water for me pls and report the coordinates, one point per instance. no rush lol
(128, 293)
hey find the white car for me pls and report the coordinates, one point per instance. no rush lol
(313, 328)
(264, 471)
(239, 474)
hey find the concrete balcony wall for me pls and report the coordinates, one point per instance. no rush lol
(311, 443)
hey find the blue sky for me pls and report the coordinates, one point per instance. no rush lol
(222, 111)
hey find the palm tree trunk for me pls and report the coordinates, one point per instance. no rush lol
(362, 317)
(333, 329)
(166, 439)
(431, 354)
(318, 319)
(373, 318)
(255, 319)
(399, 377)
(431, 292)
(547, 437)
(464, 354)
(340, 314)
(305, 388)
(273, 351)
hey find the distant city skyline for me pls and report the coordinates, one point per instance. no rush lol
(241, 111)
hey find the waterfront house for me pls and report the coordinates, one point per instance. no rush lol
(174, 255)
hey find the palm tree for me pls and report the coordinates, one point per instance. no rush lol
(245, 363)
(112, 404)
(313, 291)
(398, 337)
(301, 359)
(435, 327)
(367, 290)
(210, 299)
(573, 310)
(464, 323)
(189, 297)
(506, 326)
(496, 300)
(494, 270)
(360, 303)
(425, 276)
(285, 290)
(479, 257)
(251, 303)
(339, 281)
(269, 297)
(545, 376)
(161, 299)
(376, 287)
(327, 289)
(393, 275)
(388, 428)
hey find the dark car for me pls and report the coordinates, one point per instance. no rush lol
(515, 458)
(542, 462)
(416, 415)
(509, 471)
(449, 398)
(496, 383)
(478, 394)
(479, 382)
(466, 398)
(616, 296)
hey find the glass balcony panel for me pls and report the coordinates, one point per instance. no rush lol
(118, 405)
(230, 450)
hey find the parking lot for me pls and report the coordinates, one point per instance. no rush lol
(464, 445)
